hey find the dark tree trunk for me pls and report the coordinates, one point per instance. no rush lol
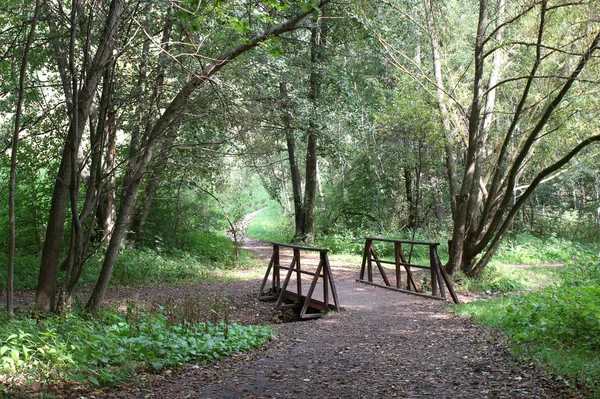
(153, 180)
(107, 208)
(408, 186)
(293, 160)
(65, 189)
(317, 53)
(47, 280)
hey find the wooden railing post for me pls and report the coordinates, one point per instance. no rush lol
(276, 270)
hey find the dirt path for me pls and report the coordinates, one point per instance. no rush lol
(385, 345)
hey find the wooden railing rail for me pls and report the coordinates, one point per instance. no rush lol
(288, 296)
(438, 275)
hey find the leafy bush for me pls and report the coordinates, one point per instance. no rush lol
(569, 317)
(582, 273)
(106, 350)
(342, 242)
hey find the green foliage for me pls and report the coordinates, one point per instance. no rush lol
(26, 271)
(558, 326)
(584, 273)
(342, 242)
(568, 317)
(105, 351)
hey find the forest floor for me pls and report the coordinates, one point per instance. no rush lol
(384, 344)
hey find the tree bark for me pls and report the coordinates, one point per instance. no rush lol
(317, 53)
(296, 177)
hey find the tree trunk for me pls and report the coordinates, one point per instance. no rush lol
(12, 231)
(317, 53)
(107, 207)
(128, 198)
(47, 280)
(153, 180)
(67, 180)
(293, 160)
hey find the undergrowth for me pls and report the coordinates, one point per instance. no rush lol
(210, 260)
(558, 327)
(107, 350)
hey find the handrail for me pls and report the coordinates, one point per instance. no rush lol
(438, 274)
(294, 246)
(402, 241)
(309, 306)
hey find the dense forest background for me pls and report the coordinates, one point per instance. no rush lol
(157, 125)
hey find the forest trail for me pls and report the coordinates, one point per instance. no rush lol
(384, 345)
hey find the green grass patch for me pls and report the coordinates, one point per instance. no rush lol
(109, 349)
(498, 278)
(531, 250)
(271, 225)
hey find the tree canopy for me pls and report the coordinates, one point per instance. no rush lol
(132, 119)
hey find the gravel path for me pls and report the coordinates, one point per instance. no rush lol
(384, 345)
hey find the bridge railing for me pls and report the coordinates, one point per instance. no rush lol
(321, 295)
(402, 265)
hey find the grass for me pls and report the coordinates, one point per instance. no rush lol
(271, 225)
(498, 278)
(533, 250)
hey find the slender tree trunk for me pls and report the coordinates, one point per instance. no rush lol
(12, 231)
(440, 208)
(128, 198)
(317, 53)
(408, 187)
(293, 160)
(107, 207)
(153, 180)
(65, 188)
